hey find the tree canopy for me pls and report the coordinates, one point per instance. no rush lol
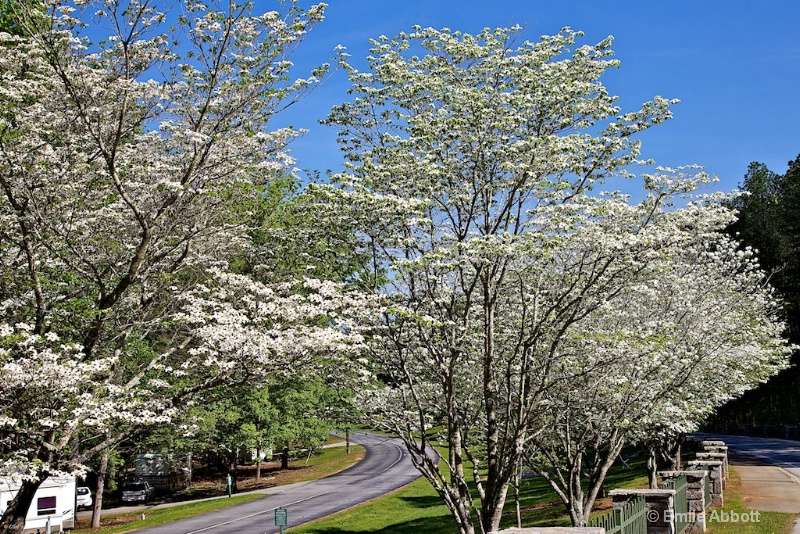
(519, 294)
(466, 273)
(768, 223)
(131, 167)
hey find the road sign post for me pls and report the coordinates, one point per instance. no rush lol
(281, 518)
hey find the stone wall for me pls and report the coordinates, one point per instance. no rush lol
(712, 464)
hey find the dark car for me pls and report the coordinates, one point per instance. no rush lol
(137, 491)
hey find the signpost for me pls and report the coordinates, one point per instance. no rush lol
(281, 518)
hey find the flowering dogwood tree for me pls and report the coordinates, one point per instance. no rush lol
(42, 384)
(471, 161)
(690, 326)
(132, 141)
(235, 331)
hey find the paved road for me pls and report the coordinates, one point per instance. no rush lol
(779, 452)
(385, 468)
(770, 472)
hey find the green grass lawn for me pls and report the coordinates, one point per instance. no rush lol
(720, 520)
(326, 462)
(416, 509)
(413, 509)
(158, 516)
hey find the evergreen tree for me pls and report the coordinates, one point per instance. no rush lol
(769, 221)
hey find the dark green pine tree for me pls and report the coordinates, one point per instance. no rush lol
(788, 279)
(769, 221)
(758, 225)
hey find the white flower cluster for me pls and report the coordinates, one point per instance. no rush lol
(294, 327)
(43, 386)
(530, 311)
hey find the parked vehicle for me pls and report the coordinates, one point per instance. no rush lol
(83, 498)
(53, 503)
(164, 474)
(137, 491)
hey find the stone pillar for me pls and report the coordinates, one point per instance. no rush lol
(660, 507)
(695, 493)
(719, 457)
(714, 469)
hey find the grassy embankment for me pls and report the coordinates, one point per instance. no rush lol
(416, 509)
(721, 520)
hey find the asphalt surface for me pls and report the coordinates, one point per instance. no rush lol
(770, 472)
(778, 452)
(385, 468)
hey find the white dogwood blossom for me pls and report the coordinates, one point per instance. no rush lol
(42, 392)
(473, 163)
(689, 325)
(133, 143)
(243, 328)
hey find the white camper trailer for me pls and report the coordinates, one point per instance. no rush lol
(53, 504)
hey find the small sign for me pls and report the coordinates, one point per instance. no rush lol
(281, 517)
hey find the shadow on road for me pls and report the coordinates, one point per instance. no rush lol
(742, 459)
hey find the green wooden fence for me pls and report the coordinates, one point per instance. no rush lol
(681, 502)
(631, 518)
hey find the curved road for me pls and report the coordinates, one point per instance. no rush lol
(385, 468)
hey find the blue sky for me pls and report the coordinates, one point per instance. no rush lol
(734, 64)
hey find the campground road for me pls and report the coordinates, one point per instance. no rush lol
(385, 468)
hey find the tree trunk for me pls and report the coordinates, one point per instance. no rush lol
(258, 462)
(285, 458)
(492, 507)
(460, 510)
(652, 467)
(235, 470)
(98, 494)
(577, 508)
(576, 516)
(347, 441)
(13, 519)
(570, 484)
(497, 481)
(466, 528)
(598, 477)
(669, 452)
(517, 509)
(674, 453)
